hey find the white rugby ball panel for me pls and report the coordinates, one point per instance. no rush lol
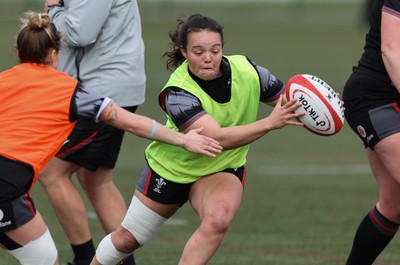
(323, 114)
(332, 99)
(317, 116)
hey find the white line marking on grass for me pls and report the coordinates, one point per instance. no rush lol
(354, 169)
(92, 215)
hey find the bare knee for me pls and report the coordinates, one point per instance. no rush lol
(102, 176)
(48, 180)
(45, 177)
(219, 220)
(55, 172)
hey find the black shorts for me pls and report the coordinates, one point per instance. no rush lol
(371, 107)
(372, 125)
(164, 191)
(16, 206)
(92, 145)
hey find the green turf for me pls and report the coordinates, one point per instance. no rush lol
(305, 213)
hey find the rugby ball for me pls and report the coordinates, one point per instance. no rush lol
(323, 111)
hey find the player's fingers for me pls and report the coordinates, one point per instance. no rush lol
(298, 114)
(207, 153)
(213, 147)
(296, 123)
(280, 99)
(294, 105)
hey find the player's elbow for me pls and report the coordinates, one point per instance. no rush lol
(78, 38)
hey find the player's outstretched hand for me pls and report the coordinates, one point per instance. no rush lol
(201, 144)
(283, 115)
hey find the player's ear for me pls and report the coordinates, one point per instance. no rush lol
(53, 58)
(183, 51)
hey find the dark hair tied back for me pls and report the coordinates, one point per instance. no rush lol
(179, 36)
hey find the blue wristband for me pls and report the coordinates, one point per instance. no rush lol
(153, 131)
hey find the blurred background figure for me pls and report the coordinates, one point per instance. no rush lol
(103, 48)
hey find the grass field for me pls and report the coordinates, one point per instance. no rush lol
(305, 194)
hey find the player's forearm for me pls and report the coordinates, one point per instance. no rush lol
(139, 125)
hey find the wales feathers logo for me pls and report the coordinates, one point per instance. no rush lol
(160, 182)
